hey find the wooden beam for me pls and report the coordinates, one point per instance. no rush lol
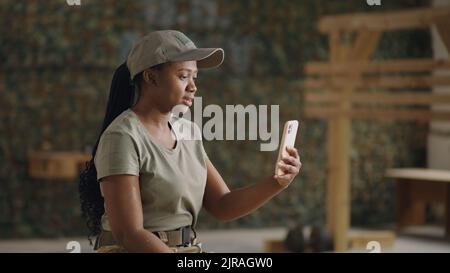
(404, 65)
(414, 18)
(443, 28)
(364, 45)
(419, 174)
(377, 114)
(378, 82)
(334, 46)
(409, 98)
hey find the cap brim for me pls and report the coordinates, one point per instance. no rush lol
(205, 57)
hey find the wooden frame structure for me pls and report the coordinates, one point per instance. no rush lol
(350, 86)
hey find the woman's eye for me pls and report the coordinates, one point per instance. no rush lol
(186, 77)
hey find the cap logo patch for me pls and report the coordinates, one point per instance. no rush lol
(182, 38)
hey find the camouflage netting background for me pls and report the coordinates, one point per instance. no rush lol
(58, 61)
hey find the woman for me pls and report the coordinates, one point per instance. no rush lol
(147, 182)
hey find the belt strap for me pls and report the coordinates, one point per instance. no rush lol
(172, 238)
(178, 237)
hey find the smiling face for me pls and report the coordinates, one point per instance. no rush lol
(173, 84)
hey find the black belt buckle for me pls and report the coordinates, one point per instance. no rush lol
(185, 235)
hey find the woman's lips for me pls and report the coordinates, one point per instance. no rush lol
(187, 101)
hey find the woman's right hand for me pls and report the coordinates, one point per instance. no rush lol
(290, 166)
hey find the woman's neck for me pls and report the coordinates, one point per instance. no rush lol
(152, 116)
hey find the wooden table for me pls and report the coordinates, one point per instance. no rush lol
(416, 187)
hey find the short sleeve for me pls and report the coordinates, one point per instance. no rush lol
(116, 154)
(205, 155)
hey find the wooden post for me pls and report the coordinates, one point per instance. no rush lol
(444, 32)
(339, 136)
(443, 29)
(331, 144)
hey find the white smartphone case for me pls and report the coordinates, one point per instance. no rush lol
(287, 140)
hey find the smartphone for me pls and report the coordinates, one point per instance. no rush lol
(287, 140)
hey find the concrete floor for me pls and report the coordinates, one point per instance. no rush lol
(417, 239)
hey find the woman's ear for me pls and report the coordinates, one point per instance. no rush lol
(149, 76)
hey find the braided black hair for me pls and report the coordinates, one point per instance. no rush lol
(121, 97)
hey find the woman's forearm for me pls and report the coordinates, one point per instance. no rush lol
(240, 202)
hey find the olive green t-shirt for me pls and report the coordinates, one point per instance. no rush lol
(172, 181)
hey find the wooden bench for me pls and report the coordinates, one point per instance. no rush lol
(416, 187)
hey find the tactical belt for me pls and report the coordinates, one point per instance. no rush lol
(172, 238)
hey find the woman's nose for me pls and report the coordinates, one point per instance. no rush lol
(192, 87)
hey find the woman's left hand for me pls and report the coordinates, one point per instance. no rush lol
(290, 165)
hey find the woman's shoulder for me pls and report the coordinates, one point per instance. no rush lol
(124, 124)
